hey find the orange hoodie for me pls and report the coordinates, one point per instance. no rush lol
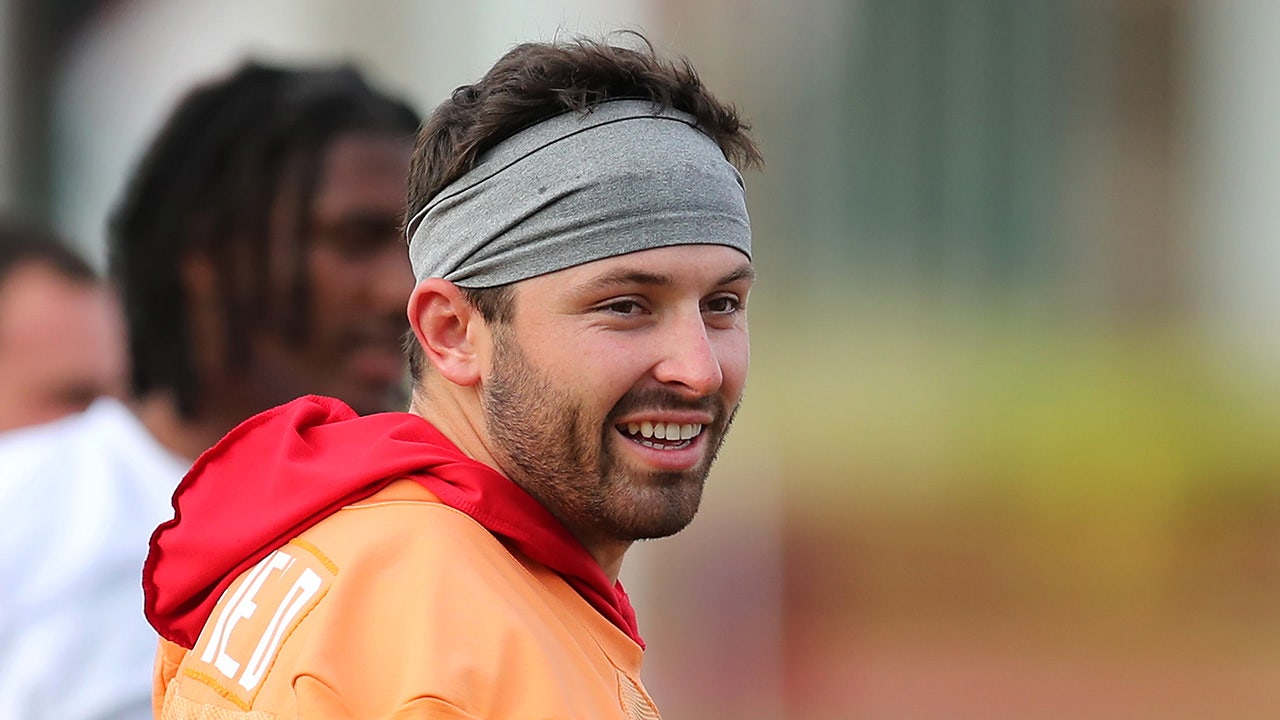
(322, 565)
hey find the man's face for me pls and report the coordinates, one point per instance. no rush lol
(612, 388)
(359, 274)
(62, 344)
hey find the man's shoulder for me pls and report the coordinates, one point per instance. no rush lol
(78, 500)
(404, 520)
(104, 440)
(40, 450)
(104, 424)
(405, 532)
(32, 439)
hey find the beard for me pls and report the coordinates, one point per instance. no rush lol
(546, 441)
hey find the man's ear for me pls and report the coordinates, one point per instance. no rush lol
(443, 320)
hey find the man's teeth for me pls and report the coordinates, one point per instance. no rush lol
(664, 431)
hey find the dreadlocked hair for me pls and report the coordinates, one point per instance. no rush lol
(537, 81)
(232, 152)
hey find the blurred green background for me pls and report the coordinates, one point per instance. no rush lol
(1011, 446)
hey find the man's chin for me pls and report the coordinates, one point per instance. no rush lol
(655, 529)
(663, 506)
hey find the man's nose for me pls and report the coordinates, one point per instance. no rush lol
(688, 356)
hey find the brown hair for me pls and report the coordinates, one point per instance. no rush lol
(536, 81)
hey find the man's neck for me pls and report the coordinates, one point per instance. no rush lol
(609, 556)
(457, 414)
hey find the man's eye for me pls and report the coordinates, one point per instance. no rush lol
(722, 305)
(623, 307)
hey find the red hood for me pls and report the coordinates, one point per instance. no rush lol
(286, 469)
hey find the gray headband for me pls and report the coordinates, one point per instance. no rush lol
(580, 187)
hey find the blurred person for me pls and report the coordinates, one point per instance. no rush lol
(258, 253)
(61, 333)
(583, 254)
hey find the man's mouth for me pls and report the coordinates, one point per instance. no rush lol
(661, 435)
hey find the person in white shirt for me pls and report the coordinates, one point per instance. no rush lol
(258, 255)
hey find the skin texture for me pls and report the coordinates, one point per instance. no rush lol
(658, 335)
(61, 345)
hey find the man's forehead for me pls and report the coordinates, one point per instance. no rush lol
(704, 265)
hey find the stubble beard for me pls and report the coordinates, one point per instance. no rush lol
(545, 442)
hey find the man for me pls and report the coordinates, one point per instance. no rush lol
(258, 253)
(582, 251)
(61, 333)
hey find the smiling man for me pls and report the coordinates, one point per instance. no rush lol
(582, 250)
(633, 365)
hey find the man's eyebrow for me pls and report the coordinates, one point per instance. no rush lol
(746, 272)
(627, 276)
(631, 276)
